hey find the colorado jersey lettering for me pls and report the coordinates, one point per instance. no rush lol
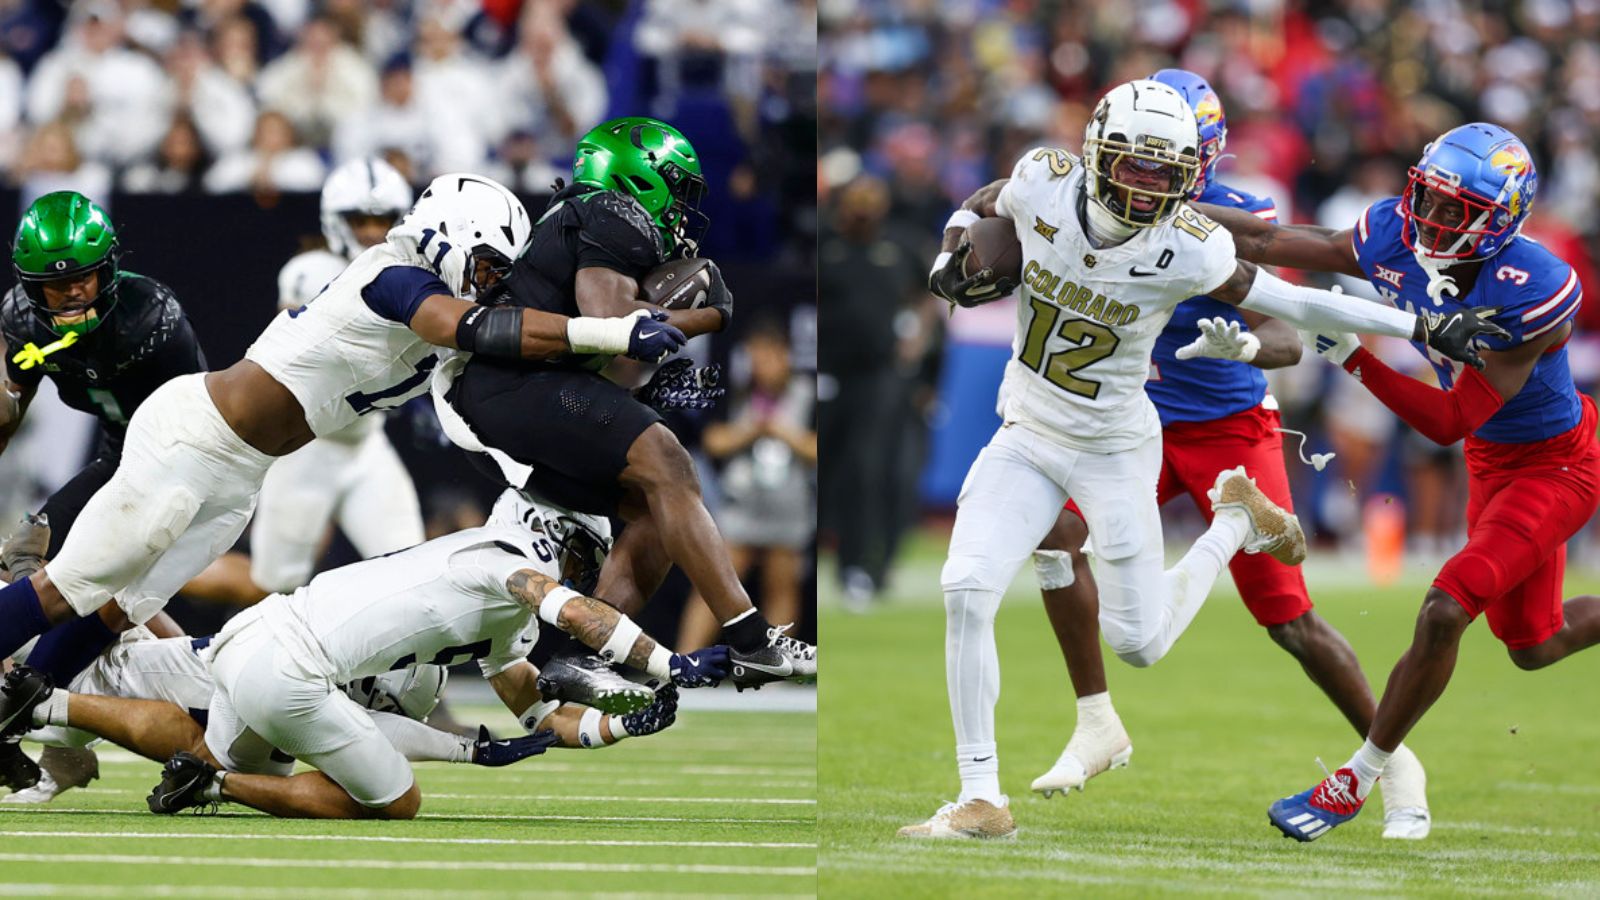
(1088, 317)
(1202, 389)
(444, 602)
(349, 352)
(1534, 291)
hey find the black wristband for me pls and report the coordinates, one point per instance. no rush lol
(492, 331)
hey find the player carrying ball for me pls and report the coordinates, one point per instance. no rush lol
(1110, 247)
(1450, 243)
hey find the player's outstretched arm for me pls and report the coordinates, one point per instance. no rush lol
(511, 332)
(1258, 290)
(981, 205)
(1268, 344)
(607, 293)
(1298, 246)
(617, 637)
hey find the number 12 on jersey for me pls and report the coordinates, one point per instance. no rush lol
(1094, 343)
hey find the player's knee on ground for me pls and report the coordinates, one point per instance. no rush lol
(404, 807)
(657, 460)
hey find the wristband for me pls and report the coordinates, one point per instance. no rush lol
(533, 715)
(961, 218)
(618, 730)
(621, 641)
(492, 331)
(590, 335)
(939, 261)
(660, 663)
(589, 730)
(550, 607)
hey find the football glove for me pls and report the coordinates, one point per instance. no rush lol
(658, 716)
(1221, 339)
(680, 385)
(486, 751)
(652, 339)
(702, 668)
(719, 297)
(1452, 333)
(982, 287)
(1336, 347)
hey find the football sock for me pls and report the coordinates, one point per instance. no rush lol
(422, 743)
(747, 631)
(212, 793)
(1368, 764)
(21, 616)
(972, 676)
(69, 648)
(53, 711)
(1095, 710)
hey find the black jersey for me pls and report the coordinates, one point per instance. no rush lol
(145, 341)
(582, 228)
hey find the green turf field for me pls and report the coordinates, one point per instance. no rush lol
(1221, 727)
(721, 804)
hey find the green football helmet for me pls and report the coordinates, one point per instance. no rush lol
(655, 164)
(65, 235)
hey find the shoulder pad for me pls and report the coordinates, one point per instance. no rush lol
(147, 314)
(617, 222)
(1533, 290)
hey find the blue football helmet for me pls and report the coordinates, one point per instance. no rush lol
(1208, 115)
(1469, 194)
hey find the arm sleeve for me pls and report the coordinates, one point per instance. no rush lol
(1443, 417)
(1316, 310)
(398, 290)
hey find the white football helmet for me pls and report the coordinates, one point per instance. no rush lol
(1141, 153)
(480, 215)
(366, 186)
(412, 692)
(581, 540)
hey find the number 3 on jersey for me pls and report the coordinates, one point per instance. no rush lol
(1094, 343)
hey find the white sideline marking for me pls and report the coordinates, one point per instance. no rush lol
(732, 801)
(254, 862)
(15, 889)
(390, 839)
(486, 817)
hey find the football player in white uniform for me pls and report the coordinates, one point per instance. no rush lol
(1109, 247)
(352, 476)
(198, 449)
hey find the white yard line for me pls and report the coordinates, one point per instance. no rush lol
(430, 865)
(390, 839)
(732, 801)
(485, 817)
(207, 892)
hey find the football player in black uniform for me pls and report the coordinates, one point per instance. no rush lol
(107, 339)
(590, 444)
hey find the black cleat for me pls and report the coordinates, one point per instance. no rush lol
(782, 658)
(182, 779)
(24, 688)
(591, 681)
(17, 771)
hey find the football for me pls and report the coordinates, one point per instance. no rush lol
(679, 284)
(994, 246)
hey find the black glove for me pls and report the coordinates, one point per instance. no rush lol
(487, 751)
(680, 385)
(719, 297)
(1453, 333)
(658, 716)
(984, 286)
(653, 339)
(702, 668)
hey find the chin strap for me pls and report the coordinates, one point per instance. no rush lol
(1317, 461)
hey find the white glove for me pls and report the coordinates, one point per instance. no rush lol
(1336, 347)
(1221, 339)
(433, 251)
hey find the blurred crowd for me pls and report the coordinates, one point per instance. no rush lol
(1327, 103)
(174, 96)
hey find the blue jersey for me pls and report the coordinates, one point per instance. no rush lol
(1532, 293)
(1202, 389)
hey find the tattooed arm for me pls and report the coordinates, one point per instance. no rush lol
(585, 618)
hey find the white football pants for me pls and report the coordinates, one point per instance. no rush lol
(179, 499)
(1011, 497)
(360, 484)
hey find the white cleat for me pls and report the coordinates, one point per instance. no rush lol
(1273, 530)
(1405, 797)
(964, 821)
(1088, 753)
(62, 769)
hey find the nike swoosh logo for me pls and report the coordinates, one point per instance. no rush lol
(786, 670)
(1138, 274)
(647, 335)
(983, 758)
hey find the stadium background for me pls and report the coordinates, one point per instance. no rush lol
(165, 112)
(1327, 104)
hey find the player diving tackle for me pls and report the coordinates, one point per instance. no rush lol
(1451, 243)
(1111, 246)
